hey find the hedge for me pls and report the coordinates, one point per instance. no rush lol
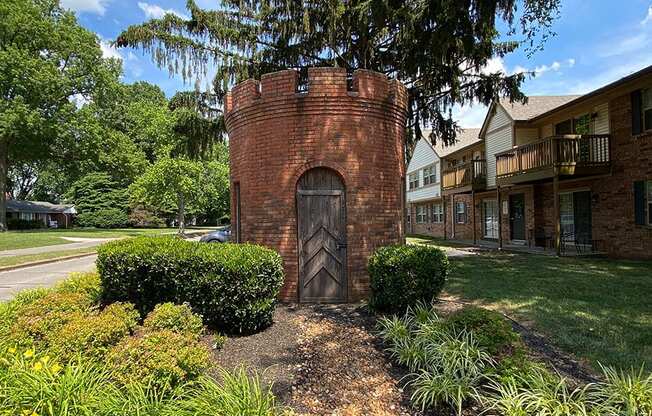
(232, 286)
(403, 275)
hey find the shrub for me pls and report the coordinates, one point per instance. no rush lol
(232, 286)
(93, 335)
(161, 357)
(177, 318)
(21, 224)
(142, 218)
(403, 275)
(489, 328)
(103, 218)
(87, 284)
(45, 315)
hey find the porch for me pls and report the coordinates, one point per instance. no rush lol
(555, 156)
(466, 177)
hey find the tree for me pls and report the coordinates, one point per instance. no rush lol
(170, 183)
(47, 61)
(215, 202)
(439, 49)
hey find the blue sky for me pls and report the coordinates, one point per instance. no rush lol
(598, 41)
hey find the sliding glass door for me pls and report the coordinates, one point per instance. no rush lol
(490, 218)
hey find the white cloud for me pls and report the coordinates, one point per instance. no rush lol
(109, 51)
(154, 11)
(86, 6)
(470, 115)
(494, 65)
(648, 17)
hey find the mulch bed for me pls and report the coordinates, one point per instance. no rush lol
(325, 360)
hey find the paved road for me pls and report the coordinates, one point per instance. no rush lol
(41, 276)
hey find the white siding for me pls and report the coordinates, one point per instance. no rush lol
(601, 122)
(497, 141)
(422, 157)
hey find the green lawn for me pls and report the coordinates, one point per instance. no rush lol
(599, 310)
(16, 260)
(23, 239)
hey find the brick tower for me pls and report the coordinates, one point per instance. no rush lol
(318, 175)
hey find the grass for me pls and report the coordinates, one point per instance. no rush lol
(596, 309)
(38, 238)
(16, 260)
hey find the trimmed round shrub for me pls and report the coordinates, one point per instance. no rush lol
(159, 357)
(177, 318)
(490, 329)
(403, 275)
(233, 287)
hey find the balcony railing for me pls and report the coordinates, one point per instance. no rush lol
(470, 175)
(566, 155)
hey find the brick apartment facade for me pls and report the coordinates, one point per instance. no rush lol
(277, 136)
(604, 192)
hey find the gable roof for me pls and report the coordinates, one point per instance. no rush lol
(423, 153)
(536, 105)
(465, 138)
(602, 90)
(39, 207)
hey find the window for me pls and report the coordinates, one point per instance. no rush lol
(437, 213)
(649, 202)
(647, 109)
(430, 175)
(460, 212)
(421, 214)
(414, 180)
(577, 125)
(490, 218)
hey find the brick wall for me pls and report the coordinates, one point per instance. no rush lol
(276, 134)
(428, 228)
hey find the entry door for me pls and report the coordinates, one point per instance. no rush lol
(517, 216)
(490, 220)
(321, 211)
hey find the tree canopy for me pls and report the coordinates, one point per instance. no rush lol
(48, 64)
(438, 48)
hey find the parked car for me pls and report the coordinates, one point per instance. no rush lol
(218, 236)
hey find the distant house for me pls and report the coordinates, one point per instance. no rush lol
(424, 205)
(52, 215)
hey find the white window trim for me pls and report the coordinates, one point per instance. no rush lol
(458, 212)
(648, 202)
(437, 214)
(434, 172)
(421, 214)
(646, 104)
(410, 181)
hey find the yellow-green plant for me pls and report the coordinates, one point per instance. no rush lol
(177, 318)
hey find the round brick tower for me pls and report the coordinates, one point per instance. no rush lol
(318, 175)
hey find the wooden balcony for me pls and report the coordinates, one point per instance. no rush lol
(563, 156)
(466, 177)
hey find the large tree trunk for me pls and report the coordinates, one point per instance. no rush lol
(4, 171)
(181, 216)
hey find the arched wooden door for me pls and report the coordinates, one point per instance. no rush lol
(321, 219)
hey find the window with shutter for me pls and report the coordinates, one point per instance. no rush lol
(637, 113)
(646, 109)
(640, 203)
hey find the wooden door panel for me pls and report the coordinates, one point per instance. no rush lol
(321, 237)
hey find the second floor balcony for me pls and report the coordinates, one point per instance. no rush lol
(465, 177)
(567, 155)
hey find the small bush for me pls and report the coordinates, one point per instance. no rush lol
(103, 218)
(177, 318)
(45, 315)
(93, 335)
(232, 286)
(490, 329)
(403, 275)
(164, 358)
(87, 284)
(142, 218)
(21, 224)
